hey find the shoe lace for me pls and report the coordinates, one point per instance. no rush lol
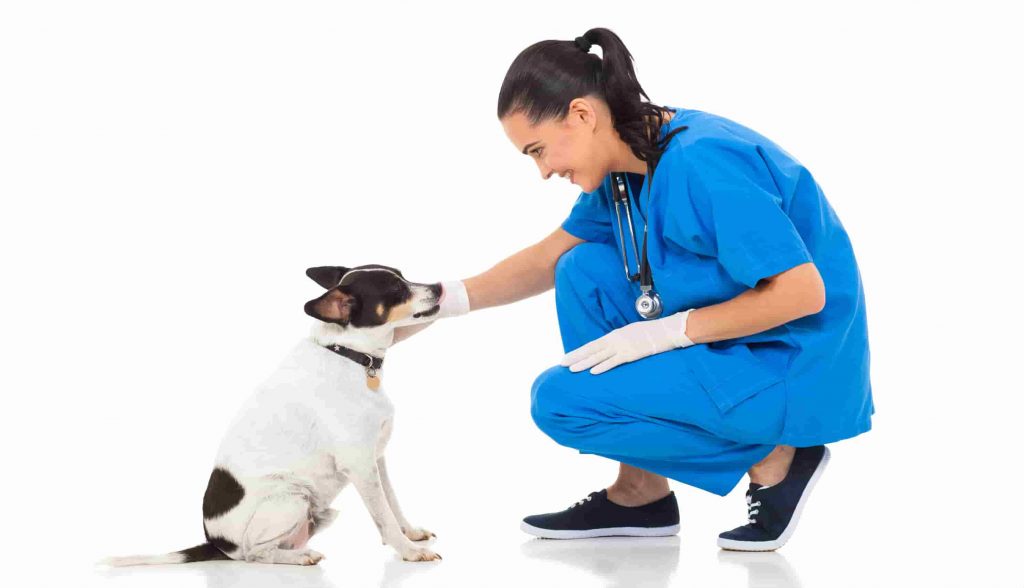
(752, 509)
(581, 501)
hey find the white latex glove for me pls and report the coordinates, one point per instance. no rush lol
(454, 299)
(630, 343)
(454, 302)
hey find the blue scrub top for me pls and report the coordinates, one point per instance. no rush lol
(729, 207)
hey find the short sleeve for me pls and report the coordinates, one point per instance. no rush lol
(726, 202)
(590, 218)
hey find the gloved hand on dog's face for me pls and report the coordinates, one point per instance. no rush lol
(454, 302)
(454, 299)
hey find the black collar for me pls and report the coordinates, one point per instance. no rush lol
(364, 359)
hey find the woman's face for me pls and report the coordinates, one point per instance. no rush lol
(567, 148)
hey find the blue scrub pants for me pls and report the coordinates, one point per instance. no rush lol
(651, 413)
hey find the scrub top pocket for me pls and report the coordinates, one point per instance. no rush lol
(729, 374)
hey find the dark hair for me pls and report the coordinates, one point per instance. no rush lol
(548, 75)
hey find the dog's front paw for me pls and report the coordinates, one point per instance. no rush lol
(419, 554)
(417, 534)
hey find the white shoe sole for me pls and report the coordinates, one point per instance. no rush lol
(606, 532)
(733, 545)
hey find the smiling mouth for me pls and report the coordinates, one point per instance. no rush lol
(430, 312)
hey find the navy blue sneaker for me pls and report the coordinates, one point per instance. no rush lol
(596, 516)
(772, 511)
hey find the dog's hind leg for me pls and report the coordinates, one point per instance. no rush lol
(278, 532)
(298, 557)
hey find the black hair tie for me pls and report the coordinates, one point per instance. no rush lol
(583, 44)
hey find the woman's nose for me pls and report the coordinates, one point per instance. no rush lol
(545, 171)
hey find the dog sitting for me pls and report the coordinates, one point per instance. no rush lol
(317, 423)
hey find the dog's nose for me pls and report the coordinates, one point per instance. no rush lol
(435, 289)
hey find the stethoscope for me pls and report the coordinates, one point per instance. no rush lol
(648, 304)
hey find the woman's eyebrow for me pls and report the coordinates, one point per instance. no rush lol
(528, 146)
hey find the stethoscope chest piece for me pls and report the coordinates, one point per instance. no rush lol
(648, 305)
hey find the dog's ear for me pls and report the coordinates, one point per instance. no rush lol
(335, 306)
(327, 276)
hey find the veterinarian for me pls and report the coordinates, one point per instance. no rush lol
(759, 356)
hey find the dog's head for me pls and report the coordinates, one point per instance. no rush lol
(370, 296)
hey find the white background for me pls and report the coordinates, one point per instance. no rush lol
(169, 169)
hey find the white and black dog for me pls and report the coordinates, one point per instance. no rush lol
(319, 421)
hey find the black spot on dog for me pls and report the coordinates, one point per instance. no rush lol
(224, 545)
(204, 552)
(223, 493)
(436, 308)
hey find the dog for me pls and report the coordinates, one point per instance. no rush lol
(320, 421)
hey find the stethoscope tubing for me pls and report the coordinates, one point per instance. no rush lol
(620, 199)
(648, 304)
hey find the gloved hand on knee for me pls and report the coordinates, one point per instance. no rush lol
(630, 343)
(454, 302)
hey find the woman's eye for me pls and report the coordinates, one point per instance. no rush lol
(537, 151)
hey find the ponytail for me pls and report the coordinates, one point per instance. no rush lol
(548, 75)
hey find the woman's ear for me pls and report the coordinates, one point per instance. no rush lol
(334, 306)
(327, 276)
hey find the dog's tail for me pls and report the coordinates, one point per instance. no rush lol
(204, 552)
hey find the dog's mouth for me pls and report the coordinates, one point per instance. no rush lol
(430, 312)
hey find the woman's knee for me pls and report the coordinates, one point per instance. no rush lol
(584, 259)
(548, 401)
(539, 397)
